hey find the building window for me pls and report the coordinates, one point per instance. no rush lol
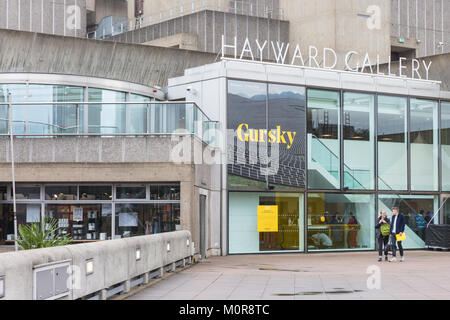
(244, 236)
(418, 211)
(424, 145)
(445, 145)
(61, 193)
(135, 219)
(359, 141)
(82, 222)
(164, 192)
(95, 192)
(392, 143)
(27, 192)
(131, 192)
(340, 221)
(323, 122)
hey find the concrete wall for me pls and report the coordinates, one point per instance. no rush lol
(427, 21)
(47, 16)
(209, 26)
(114, 263)
(336, 24)
(147, 65)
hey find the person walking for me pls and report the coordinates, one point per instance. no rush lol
(397, 228)
(383, 232)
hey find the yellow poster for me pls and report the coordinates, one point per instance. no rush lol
(267, 218)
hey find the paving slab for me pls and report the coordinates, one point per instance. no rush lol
(319, 276)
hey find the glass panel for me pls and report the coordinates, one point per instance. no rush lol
(137, 114)
(246, 116)
(446, 209)
(95, 192)
(424, 144)
(359, 137)
(445, 145)
(133, 219)
(53, 118)
(164, 192)
(27, 192)
(392, 143)
(418, 211)
(3, 193)
(82, 222)
(287, 127)
(323, 122)
(341, 221)
(131, 192)
(243, 222)
(106, 118)
(18, 94)
(61, 193)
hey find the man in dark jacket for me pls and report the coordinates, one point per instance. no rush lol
(397, 227)
(382, 240)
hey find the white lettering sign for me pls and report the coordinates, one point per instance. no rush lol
(328, 58)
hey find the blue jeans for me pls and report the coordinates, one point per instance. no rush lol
(394, 244)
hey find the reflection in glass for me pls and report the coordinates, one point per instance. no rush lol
(243, 222)
(164, 192)
(392, 143)
(137, 114)
(359, 137)
(424, 144)
(418, 211)
(338, 221)
(246, 110)
(445, 145)
(287, 112)
(323, 121)
(26, 214)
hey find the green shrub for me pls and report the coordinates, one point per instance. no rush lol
(41, 235)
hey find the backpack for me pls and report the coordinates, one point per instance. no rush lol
(385, 229)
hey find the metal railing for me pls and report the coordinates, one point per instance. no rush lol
(257, 8)
(107, 119)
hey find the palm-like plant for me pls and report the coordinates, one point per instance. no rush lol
(42, 235)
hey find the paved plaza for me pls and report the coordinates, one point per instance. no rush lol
(423, 276)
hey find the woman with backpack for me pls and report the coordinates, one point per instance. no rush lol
(383, 232)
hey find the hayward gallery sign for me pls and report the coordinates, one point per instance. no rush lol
(328, 56)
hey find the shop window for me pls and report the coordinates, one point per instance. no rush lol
(445, 145)
(283, 230)
(95, 192)
(134, 219)
(61, 193)
(82, 222)
(340, 221)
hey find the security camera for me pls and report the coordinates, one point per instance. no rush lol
(418, 41)
(188, 88)
(440, 44)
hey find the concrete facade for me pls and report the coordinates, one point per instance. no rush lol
(208, 27)
(60, 17)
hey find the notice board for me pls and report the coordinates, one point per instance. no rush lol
(267, 218)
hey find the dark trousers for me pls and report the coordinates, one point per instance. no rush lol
(396, 243)
(383, 242)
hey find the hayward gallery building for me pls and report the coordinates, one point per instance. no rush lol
(292, 159)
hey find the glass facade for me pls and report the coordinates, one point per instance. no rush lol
(364, 153)
(340, 221)
(93, 212)
(243, 233)
(323, 123)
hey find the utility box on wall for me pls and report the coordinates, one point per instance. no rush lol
(51, 281)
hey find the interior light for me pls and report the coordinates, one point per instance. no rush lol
(138, 254)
